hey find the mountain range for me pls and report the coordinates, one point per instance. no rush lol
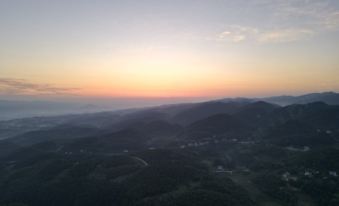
(243, 152)
(16, 109)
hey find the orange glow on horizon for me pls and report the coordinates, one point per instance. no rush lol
(160, 74)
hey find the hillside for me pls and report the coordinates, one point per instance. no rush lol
(232, 153)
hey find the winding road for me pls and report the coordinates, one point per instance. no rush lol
(141, 161)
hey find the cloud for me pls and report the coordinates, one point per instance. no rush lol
(11, 86)
(228, 35)
(284, 35)
(290, 20)
(237, 34)
(331, 21)
(313, 14)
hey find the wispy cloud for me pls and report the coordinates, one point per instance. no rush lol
(238, 34)
(291, 20)
(331, 21)
(284, 35)
(317, 14)
(23, 87)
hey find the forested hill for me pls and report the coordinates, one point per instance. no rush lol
(212, 153)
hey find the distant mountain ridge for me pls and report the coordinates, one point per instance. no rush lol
(331, 98)
(16, 109)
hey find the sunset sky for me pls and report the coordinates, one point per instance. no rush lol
(168, 48)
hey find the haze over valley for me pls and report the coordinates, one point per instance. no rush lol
(169, 103)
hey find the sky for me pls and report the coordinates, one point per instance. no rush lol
(168, 48)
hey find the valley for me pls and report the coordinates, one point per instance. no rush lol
(253, 153)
